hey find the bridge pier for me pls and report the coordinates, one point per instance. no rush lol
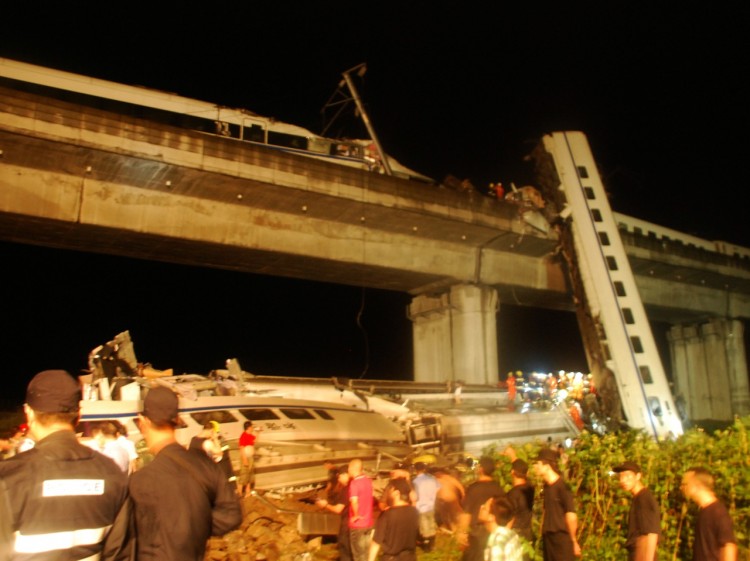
(455, 335)
(710, 369)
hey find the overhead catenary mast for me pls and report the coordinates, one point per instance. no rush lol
(347, 81)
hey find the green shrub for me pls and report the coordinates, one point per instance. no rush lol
(603, 507)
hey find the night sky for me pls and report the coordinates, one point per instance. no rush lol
(463, 89)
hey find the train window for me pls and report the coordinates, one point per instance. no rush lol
(583, 172)
(655, 406)
(589, 192)
(636, 342)
(259, 414)
(297, 413)
(323, 414)
(253, 133)
(603, 238)
(620, 289)
(646, 374)
(288, 140)
(203, 417)
(596, 214)
(611, 263)
(627, 314)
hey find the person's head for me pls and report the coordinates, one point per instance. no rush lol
(332, 472)
(105, 429)
(120, 429)
(52, 403)
(420, 467)
(487, 465)
(519, 469)
(400, 471)
(630, 477)
(343, 478)
(495, 511)
(397, 492)
(159, 417)
(248, 426)
(355, 468)
(697, 482)
(545, 464)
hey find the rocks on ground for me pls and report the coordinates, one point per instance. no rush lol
(269, 532)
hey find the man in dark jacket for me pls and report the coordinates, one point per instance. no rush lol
(397, 529)
(560, 524)
(644, 519)
(473, 534)
(60, 499)
(181, 498)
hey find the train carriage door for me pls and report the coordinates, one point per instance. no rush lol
(254, 130)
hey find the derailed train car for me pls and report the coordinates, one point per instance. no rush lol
(302, 422)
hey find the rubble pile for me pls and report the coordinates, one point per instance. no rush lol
(269, 532)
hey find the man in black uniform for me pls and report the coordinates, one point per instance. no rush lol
(521, 497)
(714, 533)
(473, 534)
(60, 500)
(181, 498)
(560, 520)
(397, 528)
(644, 519)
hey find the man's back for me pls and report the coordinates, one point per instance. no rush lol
(62, 496)
(426, 486)
(180, 499)
(360, 488)
(522, 499)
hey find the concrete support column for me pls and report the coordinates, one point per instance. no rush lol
(716, 370)
(739, 381)
(710, 369)
(689, 364)
(455, 335)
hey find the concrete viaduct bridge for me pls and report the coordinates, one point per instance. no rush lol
(82, 178)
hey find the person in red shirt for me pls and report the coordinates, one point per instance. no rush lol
(360, 510)
(246, 481)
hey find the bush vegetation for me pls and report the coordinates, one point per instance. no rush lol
(603, 507)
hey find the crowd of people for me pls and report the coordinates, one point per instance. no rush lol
(61, 498)
(491, 524)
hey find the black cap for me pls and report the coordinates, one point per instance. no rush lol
(547, 455)
(160, 406)
(520, 467)
(53, 391)
(628, 466)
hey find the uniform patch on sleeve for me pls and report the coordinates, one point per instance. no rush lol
(72, 487)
